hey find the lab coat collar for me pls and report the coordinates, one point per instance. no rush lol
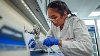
(65, 27)
(66, 24)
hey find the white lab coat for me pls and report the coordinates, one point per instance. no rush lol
(75, 37)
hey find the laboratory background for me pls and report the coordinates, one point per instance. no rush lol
(19, 20)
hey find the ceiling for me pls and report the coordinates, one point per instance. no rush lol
(83, 8)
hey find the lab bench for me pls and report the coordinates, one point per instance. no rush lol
(43, 53)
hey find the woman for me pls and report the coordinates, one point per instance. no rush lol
(69, 33)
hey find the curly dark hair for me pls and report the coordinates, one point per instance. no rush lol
(60, 7)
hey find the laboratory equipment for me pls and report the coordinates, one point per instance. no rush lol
(94, 40)
(55, 51)
(36, 32)
(98, 41)
(48, 51)
(12, 40)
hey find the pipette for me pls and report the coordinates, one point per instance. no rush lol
(48, 51)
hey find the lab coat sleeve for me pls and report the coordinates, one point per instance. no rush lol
(82, 46)
(50, 33)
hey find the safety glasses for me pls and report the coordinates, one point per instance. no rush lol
(54, 19)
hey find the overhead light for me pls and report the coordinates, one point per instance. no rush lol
(29, 10)
(32, 14)
(22, 1)
(25, 4)
(94, 14)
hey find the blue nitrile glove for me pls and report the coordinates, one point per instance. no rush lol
(33, 44)
(50, 41)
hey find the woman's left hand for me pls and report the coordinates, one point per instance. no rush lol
(50, 41)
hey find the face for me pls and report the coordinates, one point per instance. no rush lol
(55, 17)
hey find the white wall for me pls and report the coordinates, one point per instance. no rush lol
(13, 19)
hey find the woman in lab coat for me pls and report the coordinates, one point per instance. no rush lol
(69, 33)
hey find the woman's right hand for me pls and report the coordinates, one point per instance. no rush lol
(33, 44)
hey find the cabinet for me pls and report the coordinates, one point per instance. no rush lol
(94, 41)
